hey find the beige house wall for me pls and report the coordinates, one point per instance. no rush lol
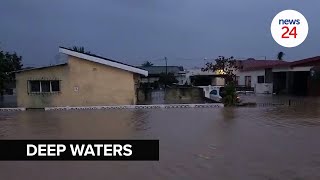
(82, 83)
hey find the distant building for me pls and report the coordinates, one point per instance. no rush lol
(197, 77)
(155, 71)
(85, 80)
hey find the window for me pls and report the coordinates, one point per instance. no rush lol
(237, 80)
(214, 92)
(44, 86)
(260, 79)
(34, 86)
(55, 86)
(248, 81)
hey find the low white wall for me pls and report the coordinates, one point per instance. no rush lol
(254, 77)
(12, 109)
(264, 88)
(206, 90)
(158, 106)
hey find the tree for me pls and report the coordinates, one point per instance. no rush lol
(226, 67)
(80, 49)
(9, 62)
(147, 64)
(167, 79)
(280, 56)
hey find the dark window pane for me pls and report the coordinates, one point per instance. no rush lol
(45, 86)
(260, 79)
(35, 86)
(237, 80)
(55, 85)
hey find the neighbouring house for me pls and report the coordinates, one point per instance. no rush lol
(295, 77)
(281, 77)
(85, 80)
(314, 81)
(256, 74)
(197, 77)
(155, 71)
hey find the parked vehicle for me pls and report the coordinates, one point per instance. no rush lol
(217, 94)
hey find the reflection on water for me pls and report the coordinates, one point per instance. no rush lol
(139, 120)
(226, 143)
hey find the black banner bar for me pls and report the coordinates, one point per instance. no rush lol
(79, 150)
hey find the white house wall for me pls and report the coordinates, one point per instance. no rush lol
(307, 68)
(254, 77)
(218, 81)
(264, 88)
(259, 88)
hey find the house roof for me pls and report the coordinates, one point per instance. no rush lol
(102, 60)
(252, 64)
(38, 68)
(309, 61)
(316, 68)
(155, 70)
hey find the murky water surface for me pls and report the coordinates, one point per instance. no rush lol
(267, 143)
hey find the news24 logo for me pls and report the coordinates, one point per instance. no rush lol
(289, 28)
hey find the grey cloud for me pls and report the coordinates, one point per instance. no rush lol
(136, 30)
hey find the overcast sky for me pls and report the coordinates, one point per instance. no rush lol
(132, 31)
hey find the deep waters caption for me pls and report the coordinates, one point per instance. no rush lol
(80, 149)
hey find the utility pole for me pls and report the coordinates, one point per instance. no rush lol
(165, 83)
(165, 58)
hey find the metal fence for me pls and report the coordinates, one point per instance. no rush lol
(289, 103)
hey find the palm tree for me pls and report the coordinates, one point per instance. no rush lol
(147, 64)
(280, 56)
(80, 49)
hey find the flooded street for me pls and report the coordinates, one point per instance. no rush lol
(267, 143)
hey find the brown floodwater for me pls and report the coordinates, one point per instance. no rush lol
(267, 143)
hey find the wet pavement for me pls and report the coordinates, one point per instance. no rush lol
(267, 143)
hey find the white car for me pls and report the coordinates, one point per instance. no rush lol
(217, 94)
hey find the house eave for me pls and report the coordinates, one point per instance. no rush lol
(103, 61)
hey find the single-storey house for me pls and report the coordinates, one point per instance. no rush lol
(281, 77)
(256, 74)
(85, 80)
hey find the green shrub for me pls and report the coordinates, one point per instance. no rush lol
(230, 95)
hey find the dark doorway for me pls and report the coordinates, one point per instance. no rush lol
(300, 83)
(314, 82)
(279, 82)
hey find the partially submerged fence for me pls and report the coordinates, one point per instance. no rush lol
(289, 102)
